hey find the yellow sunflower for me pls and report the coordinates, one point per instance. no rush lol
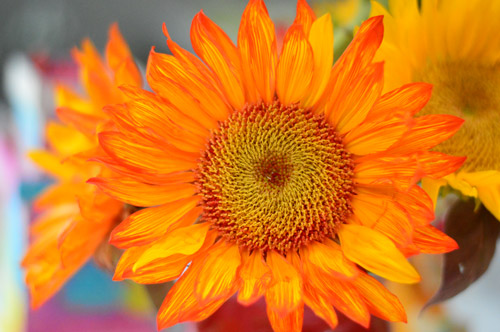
(271, 173)
(74, 218)
(455, 45)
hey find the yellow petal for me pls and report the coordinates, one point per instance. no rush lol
(432, 187)
(376, 253)
(321, 41)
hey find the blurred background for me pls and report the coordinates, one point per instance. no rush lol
(35, 42)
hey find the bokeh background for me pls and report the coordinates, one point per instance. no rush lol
(35, 42)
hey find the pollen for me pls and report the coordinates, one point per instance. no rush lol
(275, 177)
(472, 92)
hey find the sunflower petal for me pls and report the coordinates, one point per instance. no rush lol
(321, 41)
(181, 304)
(255, 276)
(305, 16)
(149, 224)
(430, 240)
(329, 258)
(184, 241)
(403, 102)
(218, 274)
(376, 253)
(295, 66)
(320, 305)
(218, 51)
(142, 194)
(342, 294)
(379, 300)
(258, 52)
(291, 322)
(284, 293)
(427, 132)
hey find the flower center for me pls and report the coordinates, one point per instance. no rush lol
(275, 178)
(472, 92)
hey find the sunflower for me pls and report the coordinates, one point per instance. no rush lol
(73, 217)
(275, 174)
(454, 45)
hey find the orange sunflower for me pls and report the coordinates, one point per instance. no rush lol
(74, 217)
(275, 174)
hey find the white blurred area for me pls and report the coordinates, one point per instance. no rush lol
(478, 307)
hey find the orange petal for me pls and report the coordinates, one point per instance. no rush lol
(59, 194)
(328, 257)
(379, 300)
(427, 132)
(340, 293)
(320, 306)
(352, 107)
(67, 141)
(118, 56)
(257, 49)
(430, 240)
(201, 89)
(305, 16)
(401, 172)
(95, 76)
(160, 269)
(126, 261)
(291, 322)
(189, 60)
(142, 194)
(384, 215)
(66, 97)
(144, 156)
(218, 51)
(184, 241)
(84, 123)
(284, 293)
(437, 165)
(175, 91)
(218, 277)
(255, 276)
(295, 66)
(143, 117)
(418, 205)
(147, 225)
(373, 137)
(53, 165)
(80, 240)
(353, 76)
(149, 107)
(403, 102)
(182, 305)
(376, 253)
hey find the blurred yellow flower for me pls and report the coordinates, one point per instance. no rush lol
(455, 45)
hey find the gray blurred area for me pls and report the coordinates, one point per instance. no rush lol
(53, 27)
